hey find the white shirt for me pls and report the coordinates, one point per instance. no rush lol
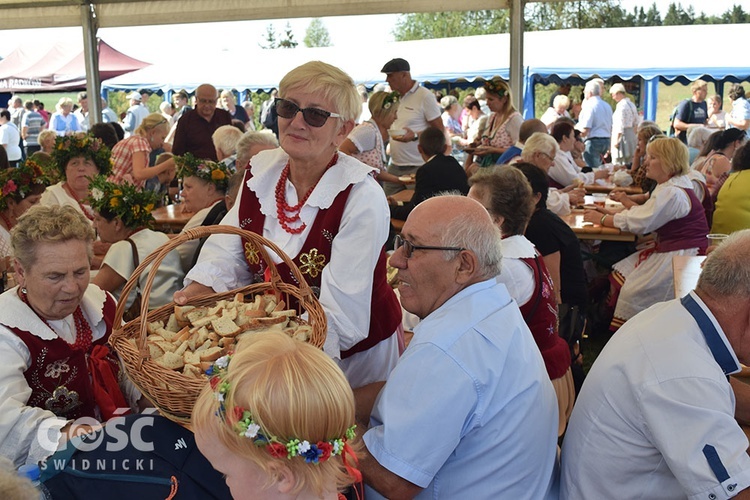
(346, 282)
(415, 109)
(565, 171)
(596, 115)
(169, 274)
(187, 249)
(558, 202)
(517, 277)
(10, 137)
(668, 202)
(57, 195)
(655, 397)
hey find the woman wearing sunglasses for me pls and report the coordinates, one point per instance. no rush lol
(130, 157)
(326, 212)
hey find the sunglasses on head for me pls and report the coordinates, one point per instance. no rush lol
(314, 117)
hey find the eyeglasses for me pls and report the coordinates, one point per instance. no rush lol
(656, 138)
(206, 101)
(550, 158)
(409, 247)
(313, 116)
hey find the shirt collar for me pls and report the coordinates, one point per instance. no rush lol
(716, 340)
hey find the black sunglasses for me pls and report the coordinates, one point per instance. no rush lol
(409, 247)
(313, 116)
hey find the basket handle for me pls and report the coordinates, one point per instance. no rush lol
(159, 254)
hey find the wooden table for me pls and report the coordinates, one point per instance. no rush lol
(597, 188)
(170, 218)
(404, 195)
(589, 231)
(686, 270)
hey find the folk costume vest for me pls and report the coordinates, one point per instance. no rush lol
(540, 314)
(385, 311)
(688, 232)
(73, 383)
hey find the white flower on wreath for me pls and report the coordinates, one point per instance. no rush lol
(303, 447)
(97, 194)
(252, 430)
(222, 362)
(57, 368)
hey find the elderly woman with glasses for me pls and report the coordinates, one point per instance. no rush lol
(131, 156)
(676, 217)
(327, 212)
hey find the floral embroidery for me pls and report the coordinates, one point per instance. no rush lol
(312, 263)
(57, 368)
(251, 253)
(62, 401)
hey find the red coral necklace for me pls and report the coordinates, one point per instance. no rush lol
(283, 208)
(6, 219)
(84, 335)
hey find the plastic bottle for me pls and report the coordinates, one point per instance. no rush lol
(32, 472)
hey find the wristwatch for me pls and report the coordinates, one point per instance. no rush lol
(416, 137)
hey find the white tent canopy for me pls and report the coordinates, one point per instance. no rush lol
(547, 55)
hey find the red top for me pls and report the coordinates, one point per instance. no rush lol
(540, 314)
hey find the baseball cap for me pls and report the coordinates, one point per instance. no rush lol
(135, 96)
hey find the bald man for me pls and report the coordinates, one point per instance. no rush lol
(195, 128)
(468, 411)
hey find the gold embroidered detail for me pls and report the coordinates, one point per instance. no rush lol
(62, 401)
(251, 253)
(312, 263)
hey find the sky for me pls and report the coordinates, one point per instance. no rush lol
(138, 41)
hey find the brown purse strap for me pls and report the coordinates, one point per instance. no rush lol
(136, 263)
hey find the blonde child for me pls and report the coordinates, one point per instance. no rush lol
(277, 420)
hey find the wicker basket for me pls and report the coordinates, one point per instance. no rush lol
(171, 392)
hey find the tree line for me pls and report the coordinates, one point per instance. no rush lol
(555, 16)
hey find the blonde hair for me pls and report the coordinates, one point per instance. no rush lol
(46, 224)
(316, 77)
(250, 139)
(226, 138)
(539, 142)
(44, 134)
(151, 122)
(229, 94)
(293, 391)
(672, 153)
(162, 158)
(697, 85)
(64, 101)
(375, 105)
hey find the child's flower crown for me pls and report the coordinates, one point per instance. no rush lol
(242, 423)
(19, 182)
(82, 145)
(210, 171)
(132, 205)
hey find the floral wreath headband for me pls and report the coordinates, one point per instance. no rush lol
(21, 180)
(245, 426)
(132, 205)
(496, 87)
(391, 99)
(73, 146)
(216, 173)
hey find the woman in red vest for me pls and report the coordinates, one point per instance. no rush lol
(508, 197)
(327, 213)
(54, 326)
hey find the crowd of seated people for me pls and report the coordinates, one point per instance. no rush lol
(485, 260)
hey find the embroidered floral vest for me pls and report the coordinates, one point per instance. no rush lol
(540, 315)
(385, 311)
(59, 376)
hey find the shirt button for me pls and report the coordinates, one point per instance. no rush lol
(711, 496)
(731, 487)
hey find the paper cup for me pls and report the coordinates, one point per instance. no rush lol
(599, 199)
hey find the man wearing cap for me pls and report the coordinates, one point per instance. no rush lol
(195, 128)
(657, 414)
(417, 110)
(180, 101)
(135, 114)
